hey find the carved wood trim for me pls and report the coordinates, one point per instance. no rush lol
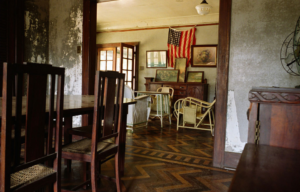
(274, 97)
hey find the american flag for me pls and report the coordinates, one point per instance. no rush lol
(179, 45)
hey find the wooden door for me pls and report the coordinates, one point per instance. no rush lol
(128, 64)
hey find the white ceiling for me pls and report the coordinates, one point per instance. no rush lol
(131, 11)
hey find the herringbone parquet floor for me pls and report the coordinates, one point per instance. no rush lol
(163, 160)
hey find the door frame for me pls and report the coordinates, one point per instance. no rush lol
(222, 84)
(88, 66)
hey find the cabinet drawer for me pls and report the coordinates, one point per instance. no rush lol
(180, 92)
(180, 87)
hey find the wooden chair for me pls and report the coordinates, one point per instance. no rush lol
(191, 110)
(32, 174)
(108, 105)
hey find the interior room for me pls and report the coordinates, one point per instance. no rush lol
(207, 94)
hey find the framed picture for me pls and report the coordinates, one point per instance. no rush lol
(195, 76)
(180, 64)
(169, 75)
(156, 59)
(204, 56)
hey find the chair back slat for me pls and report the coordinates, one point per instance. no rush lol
(35, 122)
(109, 92)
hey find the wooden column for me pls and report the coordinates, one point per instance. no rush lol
(222, 82)
(88, 49)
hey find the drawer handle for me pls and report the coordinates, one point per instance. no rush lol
(181, 93)
(181, 87)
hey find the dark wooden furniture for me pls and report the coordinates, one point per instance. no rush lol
(266, 168)
(270, 160)
(78, 105)
(274, 117)
(108, 96)
(182, 90)
(31, 175)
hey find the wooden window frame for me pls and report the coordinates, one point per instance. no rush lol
(135, 58)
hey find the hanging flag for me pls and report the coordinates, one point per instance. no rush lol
(179, 45)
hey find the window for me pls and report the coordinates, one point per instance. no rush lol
(119, 57)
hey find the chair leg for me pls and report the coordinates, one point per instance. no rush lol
(211, 130)
(117, 169)
(94, 170)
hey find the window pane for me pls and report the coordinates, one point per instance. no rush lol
(110, 55)
(129, 75)
(124, 63)
(103, 55)
(118, 68)
(102, 65)
(125, 72)
(129, 64)
(118, 65)
(124, 52)
(129, 84)
(130, 51)
(109, 65)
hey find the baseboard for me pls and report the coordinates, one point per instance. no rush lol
(231, 159)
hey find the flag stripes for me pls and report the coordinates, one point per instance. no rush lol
(187, 39)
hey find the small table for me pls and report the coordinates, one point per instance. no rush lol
(162, 104)
(266, 168)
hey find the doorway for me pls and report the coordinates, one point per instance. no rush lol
(221, 158)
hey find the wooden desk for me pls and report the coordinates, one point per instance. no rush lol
(162, 104)
(266, 168)
(84, 104)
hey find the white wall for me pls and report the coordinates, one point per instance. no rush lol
(258, 29)
(157, 40)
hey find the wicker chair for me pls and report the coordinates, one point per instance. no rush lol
(192, 113)
(162, 89)
(108, 105)
(33, 174)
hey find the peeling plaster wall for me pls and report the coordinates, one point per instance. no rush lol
(258, 30)
(36, 31)
(65, 34)
(157, 40)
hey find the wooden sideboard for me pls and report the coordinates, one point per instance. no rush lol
(182, 90)
(273, 118)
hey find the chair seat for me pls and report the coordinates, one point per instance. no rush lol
(84, 146)
(199, 115)
(29, 175)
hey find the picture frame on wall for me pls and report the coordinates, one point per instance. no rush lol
(180, 64)
(168, 75)
(195, 76)
(156, 59)
(204, 56)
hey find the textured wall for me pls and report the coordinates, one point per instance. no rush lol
(157, 40)
(36, 31)
(65, 34)
(258, 30)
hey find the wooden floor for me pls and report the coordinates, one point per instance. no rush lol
(162, 160)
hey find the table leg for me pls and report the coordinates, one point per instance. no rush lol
(67, 138)
(161, 111)
(123, 140)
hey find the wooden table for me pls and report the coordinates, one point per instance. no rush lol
(84, 104)
(162, 104)
(266, 168)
